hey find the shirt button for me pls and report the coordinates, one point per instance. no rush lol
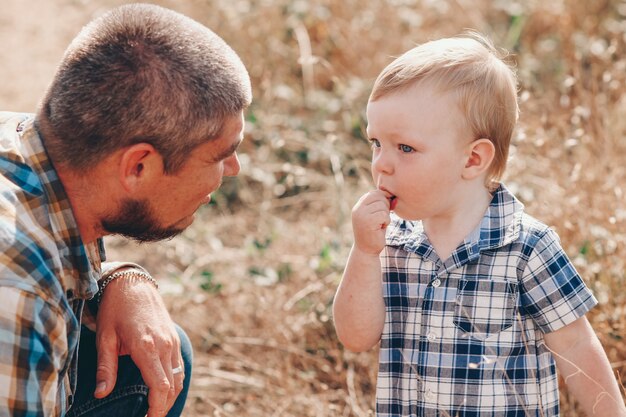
(429, 395)
(431, 336)
(436, 283)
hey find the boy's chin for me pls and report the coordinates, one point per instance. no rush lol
(412, 217)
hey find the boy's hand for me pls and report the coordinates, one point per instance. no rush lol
(370, 217)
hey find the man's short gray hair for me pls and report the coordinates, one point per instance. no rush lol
(141, 73)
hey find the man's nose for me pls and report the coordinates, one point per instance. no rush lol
(232, 166)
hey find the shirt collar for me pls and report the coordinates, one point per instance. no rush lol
(499, 227)
(80, 262)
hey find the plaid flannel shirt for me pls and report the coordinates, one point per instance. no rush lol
(464, 336)
(46, 273)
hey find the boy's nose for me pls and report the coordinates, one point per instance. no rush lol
(382, 164)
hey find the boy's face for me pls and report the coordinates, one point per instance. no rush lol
(420, 146)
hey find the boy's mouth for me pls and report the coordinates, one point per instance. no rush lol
(393, 200)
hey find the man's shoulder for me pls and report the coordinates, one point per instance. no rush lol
(9, 123)
(16, 172)
(6, 116)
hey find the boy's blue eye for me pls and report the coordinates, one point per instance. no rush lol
(375, 143)
(406, 148)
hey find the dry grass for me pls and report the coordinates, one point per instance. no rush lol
(253, 279)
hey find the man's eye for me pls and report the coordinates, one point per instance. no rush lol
(375, 143)
(406, 148)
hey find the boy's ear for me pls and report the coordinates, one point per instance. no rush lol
(480, 154)
(139, 164)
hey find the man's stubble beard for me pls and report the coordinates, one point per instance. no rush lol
(135, 220)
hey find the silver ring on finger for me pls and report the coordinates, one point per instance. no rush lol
(177, 370)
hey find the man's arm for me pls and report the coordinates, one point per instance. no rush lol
(133, 320)
(581, 360)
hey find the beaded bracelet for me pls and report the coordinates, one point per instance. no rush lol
(130, 272)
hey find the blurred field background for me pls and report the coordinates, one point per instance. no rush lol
(252, 280)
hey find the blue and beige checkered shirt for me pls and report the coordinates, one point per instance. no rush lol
(464, 337)
(45, 274)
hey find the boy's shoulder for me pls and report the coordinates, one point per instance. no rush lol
(532, 227)
(539, 238)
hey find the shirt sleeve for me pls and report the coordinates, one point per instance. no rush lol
(552, 291)
(33, 349)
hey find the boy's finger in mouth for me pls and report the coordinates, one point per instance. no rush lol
(393, 202)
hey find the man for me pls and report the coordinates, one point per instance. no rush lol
(139, 125)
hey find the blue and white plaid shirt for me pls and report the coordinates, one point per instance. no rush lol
(464, 337)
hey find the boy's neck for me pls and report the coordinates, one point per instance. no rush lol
(447, 230)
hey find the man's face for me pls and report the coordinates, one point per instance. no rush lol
(169, 208)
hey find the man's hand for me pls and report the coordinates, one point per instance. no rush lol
(132, 320)
(370, 217)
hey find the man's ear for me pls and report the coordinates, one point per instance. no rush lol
(139, 164)
(480, 154)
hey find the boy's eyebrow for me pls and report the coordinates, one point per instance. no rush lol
(226, 152)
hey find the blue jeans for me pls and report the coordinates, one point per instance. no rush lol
(129, 398)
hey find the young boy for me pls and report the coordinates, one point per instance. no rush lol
(478, 301)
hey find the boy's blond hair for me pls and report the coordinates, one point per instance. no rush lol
(471, 66)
